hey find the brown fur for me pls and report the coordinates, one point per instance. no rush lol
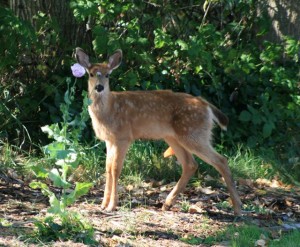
(183, 121)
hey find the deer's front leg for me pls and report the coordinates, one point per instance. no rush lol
(116, 152)
(108, 184)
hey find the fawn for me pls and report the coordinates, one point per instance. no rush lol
(183, 121)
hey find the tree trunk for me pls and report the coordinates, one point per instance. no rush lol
(285, 16)
(73, 32)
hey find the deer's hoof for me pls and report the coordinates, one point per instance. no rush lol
(166, 207)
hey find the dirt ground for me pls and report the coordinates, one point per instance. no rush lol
(199, 213)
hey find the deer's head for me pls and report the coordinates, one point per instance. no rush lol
(99, 72)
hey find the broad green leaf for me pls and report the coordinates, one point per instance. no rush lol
(101, 39)
(54, 132)
(38, 185)
(256, 115)
(82, 189)
(183, 45)
(69, 199)
(71, 160)
(198, 69)
(267, 129)
(256, 119)
(161, 38)
(67, 97)
(57, 150)
(44, 187)
(46, 129)
(39, 171)
(245, 116)
(58, 181)
(55, 205)
(143, 41)
(252, 141)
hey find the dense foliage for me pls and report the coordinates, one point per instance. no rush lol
(212, 48)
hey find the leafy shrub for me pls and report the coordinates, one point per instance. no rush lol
(32, 82)
(209, 48)
(65, 153)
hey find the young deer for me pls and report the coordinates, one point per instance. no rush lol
(183, 121)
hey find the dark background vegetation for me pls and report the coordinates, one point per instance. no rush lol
(241, 55)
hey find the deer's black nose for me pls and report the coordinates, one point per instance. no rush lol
(99, 88)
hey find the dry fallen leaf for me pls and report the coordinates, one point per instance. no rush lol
(261, 243)
(129, 187)
(209, 178)
(246, 182)
(263, 182)
(260, 192)
(276, 184)
(195, 209)
(205, 190)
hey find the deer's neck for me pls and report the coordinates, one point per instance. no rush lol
(101, 97)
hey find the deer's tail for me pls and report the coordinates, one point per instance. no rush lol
(219, 117)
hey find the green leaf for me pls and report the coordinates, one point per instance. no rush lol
(67, 97)
(71, 160)
(267, 129)
(161, 38)
(80, 190)
(101, 40)
(38, 185)
(44, 187)
(58, 180)
(183, 45)
(256, 115)
(39, 171)
(57, 150)
(252, 141)
(56, 206)
(245, 116)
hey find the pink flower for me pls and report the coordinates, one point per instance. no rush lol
(77, 70)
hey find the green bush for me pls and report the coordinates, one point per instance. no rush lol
(209, 48)
(32, 83)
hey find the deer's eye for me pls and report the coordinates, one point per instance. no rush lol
(91, 75)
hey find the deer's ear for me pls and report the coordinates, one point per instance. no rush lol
(82, 58)
(115, 60)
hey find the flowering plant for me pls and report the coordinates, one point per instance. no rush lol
(77, 70)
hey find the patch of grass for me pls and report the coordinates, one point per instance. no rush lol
(291, 239)
(145, 159)
(241, 236)
(136, 180)
(247, 235)
(192, 240)
(72, 227)
(94, 162)
(185, 206)
(245, 163)
(13, 157)
(256, 208)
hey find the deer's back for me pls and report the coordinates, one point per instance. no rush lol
(150, 114)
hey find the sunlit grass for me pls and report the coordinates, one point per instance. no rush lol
(247, 164)
(145, 159)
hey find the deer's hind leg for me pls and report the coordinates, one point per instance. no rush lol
(206, 152)
(189, 166)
